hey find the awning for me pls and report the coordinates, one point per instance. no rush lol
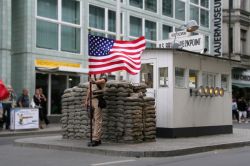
(239, 85)
(64, 69)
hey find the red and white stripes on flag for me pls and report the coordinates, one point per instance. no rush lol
(108, 55)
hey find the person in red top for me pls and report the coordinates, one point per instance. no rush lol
(4, 93)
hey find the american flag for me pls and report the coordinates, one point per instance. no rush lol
(108, 55)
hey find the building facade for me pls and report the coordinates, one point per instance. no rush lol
(44, 43)
(238, 44)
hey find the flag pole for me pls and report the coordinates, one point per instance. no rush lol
(118, 29)
(90, 106)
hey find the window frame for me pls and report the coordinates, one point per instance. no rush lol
(184, 77)
(197, 79)
(167, 81)
(59, 21)
(227, 83)
(144, 6)
(215, 75)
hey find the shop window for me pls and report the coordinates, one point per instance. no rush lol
(70, 39)
(204, 18)
(224, 81)
(205, 3)
(112, 21)
(135, 26)
(243, 38)
(71, 11)
(47, 35)
(193, 79)
(147, 74)
(209, 79)
(195, 1)
(150, 30)
(167, 8)
(47, 8)
(73, 81)
(163, 77)
(180, 77)
(165, 31)
(194, 13)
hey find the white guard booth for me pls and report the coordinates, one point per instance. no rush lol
(171, 76)
(24, 118)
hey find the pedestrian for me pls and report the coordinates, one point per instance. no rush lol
(8, 105)
(23, 100)
(242, 107)
(98, 86)
(44, 106)
(235, 109)
(37, 101)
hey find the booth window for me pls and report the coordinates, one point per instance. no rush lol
(180, 77)
(209, 79)
(146, 74)
(163, 77)
(193, 79)
(224, 81)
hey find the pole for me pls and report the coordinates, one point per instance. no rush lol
(118, 29)
(90, 111)
(229, 27)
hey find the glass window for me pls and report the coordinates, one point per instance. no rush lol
(243, 34)
(194, 13)
(165, 31)
(207, 42)
(204, 18)
(150, 30)
(205, 3)
(163, 77)
(208, 79)
(70, 39)
(96, 17)
(58, 85)
(193, 79)
(151, 5)
(47, 35)
(47, 8)
(74, 81)
(179, 77)
(167, 8)
(243, 4)
(180, 10)
(146, 74)
(150, 45)
(195, 1)
(112, 21)
(136, 3)
(71, 11)
(135, 26)
(224, 81)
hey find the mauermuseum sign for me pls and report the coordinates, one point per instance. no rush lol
(217, 27)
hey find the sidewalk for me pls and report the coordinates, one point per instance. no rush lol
(160, 148)
(52, 128)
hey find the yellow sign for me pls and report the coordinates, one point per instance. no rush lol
(53, 64)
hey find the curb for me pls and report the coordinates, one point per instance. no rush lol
(170, 153)
(25, 133)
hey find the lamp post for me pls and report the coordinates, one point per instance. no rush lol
(190, 26)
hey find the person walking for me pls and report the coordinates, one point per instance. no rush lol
(43, 100)
(98, 86)
(242, 107)
(235, 110)
(23, 100)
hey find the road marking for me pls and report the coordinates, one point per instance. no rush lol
(112, 162)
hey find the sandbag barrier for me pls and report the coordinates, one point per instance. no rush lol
(128, 118)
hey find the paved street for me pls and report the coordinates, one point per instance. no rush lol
(21, 156)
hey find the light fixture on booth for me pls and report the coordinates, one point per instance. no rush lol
(221, 92)
(201, 91)
(216, 91)
(190, 26)
(206, 91)
(211, 91)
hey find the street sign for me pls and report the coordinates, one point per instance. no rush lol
(190, 43)
(178, 34)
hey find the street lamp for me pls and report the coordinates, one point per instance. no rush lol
(190, 26)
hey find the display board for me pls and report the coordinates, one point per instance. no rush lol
(24, 118)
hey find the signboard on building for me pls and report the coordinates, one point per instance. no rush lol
(53, 64)
(178, 34)
(190, 43)
(24, 118)
(217, 23)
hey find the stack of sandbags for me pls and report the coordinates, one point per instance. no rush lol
(149, 119)
(113, 115)
(75, 121)
(133, 120)
(140, 88)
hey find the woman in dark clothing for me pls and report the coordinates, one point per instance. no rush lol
(242, 107)
(37, 101)
(44, 106)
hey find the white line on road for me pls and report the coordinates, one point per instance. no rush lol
(112, 162)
